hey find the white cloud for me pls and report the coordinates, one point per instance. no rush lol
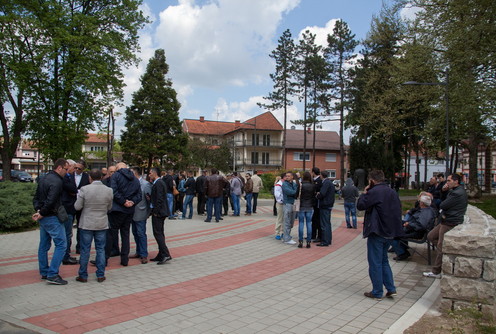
(320, 32)
(409, 12)
(220, 43)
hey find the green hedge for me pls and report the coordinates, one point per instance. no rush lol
(16, 206)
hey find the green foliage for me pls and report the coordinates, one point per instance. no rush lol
(153, 129)
(16, 203)
(207, 156)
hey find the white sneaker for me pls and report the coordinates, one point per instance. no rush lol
(290, 242)
(431, 274)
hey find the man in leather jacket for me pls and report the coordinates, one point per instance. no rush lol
(214, 188)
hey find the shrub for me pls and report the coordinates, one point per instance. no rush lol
(16, 206)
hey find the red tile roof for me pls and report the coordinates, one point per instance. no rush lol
(325, 140)
(265, 121)
(96, 138)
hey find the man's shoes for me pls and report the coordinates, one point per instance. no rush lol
(56, 280)
(322, 245)
(207, 221)
(70, 260)
(391, 294)
(316, 240)
(182, 218)
(370, 295)
(431, 274)
(82, 280)
(290, 242)
(43, 277)
(221, 218)
(124, 264)
(165, 260)
(144, 260)
(247, 214)
(156, 259)
(100, 279)
(93, 262)
(402, 257)
(349, 226)
(278, 237)
(135, 256)
(391, 250)
(115, 254)
(217, 220)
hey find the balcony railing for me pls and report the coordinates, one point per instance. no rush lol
(250, 143)
(248, 162)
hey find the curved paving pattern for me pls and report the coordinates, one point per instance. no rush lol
(231, 277)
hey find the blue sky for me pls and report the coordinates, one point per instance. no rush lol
(218, 50)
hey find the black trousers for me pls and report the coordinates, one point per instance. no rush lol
(158, 233)
(200, 208)
(316, 230)
(255, 201)
(119, 222)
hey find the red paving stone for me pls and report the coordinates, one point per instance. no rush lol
(174, 295)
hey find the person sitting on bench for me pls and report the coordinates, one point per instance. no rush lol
(418, 221)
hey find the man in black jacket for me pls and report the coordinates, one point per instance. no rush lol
(69, 194)
(326, 197)
(200, 191)
(47, 203)
(190, 190)
(80, 179)
(316, 231)
(452, 214)
(160, 210)
(127, 193)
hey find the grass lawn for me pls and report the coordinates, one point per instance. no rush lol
(486, 203)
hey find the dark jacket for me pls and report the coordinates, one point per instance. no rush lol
(69, 194)
(169, 183)
(326, 196)
(190, 186)
(422, 220)
(307, 195)
(200, 184)
(440, 193)
(159, 199)
(126, 187)
(454, 206)
(249, 186)
(383, 212)
(349, 192)
(214, 185)
(47, 198)
(318, 184)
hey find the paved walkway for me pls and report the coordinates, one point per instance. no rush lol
(230, 277)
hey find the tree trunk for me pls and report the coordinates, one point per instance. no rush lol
(487, 168)
(474, 190)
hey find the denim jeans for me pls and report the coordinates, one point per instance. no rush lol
(87, 236)
(288, 222)
(188, 203)
(68, 235)
(170, 203)
(235, 200)
(139, 232)
(248, 197)
(379, 270)
(325, 226)
(350, 210)
(214, 204)
(305, 214)
(51, 229)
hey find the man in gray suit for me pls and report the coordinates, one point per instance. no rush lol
(95, 200)
(141, 213)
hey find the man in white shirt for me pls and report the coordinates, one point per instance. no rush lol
(279, 204)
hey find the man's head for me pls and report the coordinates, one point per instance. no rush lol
(190, 173)
(425, 201)
(235, 173)
(95, 174)
(432, 181)
(72, 164)
(104, 171)
(255, 172)
(376, 176)
(136, 171)
(324, 174)
(248, 176)
(440, 177)
(78, 168)
(288, 177)
(214, 171)
(120, 165)
(453, 181)
(111, 170)
(60, 167)
(154, 173)
(315, 171)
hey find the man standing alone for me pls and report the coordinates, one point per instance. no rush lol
(326, 197)
(94, 200)
(350, 195)
(160, 211)
(257, 185)
(47, 204)
(382, 224)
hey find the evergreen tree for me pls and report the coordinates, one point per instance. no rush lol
(283, 78)
(153, 129)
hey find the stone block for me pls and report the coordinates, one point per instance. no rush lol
(461, 305)
(446, 305)
(466, 289)
(448, 264)
(467, 267)
(458, 243)
(489, 310)
(489, 273)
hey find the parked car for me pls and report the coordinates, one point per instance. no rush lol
(20, 176)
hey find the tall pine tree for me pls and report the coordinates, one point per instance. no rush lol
(153, 129)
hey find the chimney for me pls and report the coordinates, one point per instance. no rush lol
(237, 124)
(309, 130)
(202, 119)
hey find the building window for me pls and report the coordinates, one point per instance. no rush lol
(330, 157)
(298, 156)
(255, 139)
(266, 140)
(332, 173)
(254, 157)
(265, 158)
(96, 149)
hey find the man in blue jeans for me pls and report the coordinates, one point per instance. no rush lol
(382, 224)
(214, 189)
(350, 195)
(141, 214)
(48, 205)
(95, 200)
(190, 190)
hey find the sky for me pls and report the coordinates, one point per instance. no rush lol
(218, 50)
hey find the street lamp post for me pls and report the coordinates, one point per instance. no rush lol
(446, 100)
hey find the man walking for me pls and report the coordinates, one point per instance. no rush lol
(452, 214)
(382, 224)
(160, 211)
(350, 195)
(48, 206)
(326, 197)
(257, 185)
(127, 193)
(94, 200)
(214, 187)
(141, 213)
(289, 192)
